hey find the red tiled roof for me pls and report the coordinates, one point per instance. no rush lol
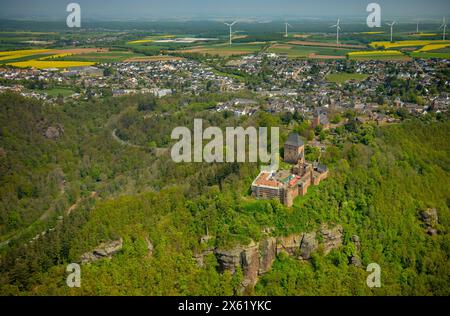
(294, 181)
(263, 180)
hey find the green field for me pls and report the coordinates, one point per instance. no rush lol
(65, 92)
(343, 77)
(380, 57)
(442, 50)
(155, 48)
(225, 50)
(426, 55)
(298, 51)
(102, 57)
(24, 58)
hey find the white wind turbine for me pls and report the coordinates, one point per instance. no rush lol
(231, 30)
(287, 25)
(444, 26)
(418, 23)
(338, 29)
(392, 29)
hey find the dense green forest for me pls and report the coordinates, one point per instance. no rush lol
(82, 187)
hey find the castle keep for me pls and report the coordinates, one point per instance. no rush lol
(286, 185)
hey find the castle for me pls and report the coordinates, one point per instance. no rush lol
(286, 185)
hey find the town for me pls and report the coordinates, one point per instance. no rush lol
(305, 86)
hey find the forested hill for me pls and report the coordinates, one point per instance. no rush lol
(378, 190)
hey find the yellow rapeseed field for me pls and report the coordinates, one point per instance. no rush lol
(426, 34)
(432, 47)
(372, 33)
(46, 64)
(151, 39)
(375, 53)
(388, 45)
(141, 41)
(24, 52)
(14, 54)
(55, 56)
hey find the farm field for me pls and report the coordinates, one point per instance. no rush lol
(45, 64)
(400, 44)
(25, 58)
(297, 51)
(52, 58)
(156, 49)
(44, 53)
(152, 58)
(65, 92)
(8, 55)
(443, 50)
(25, 39)
(151, 39)
(160, 47)
(102, 57)
(343, 77)
(433, 47)
(372, 33)
(434, 54)
(425, 35)
(224, 50)
(378, 55)
(326, 44)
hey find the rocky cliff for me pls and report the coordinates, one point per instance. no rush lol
(256, 259)
(104, 250)
(431, 220)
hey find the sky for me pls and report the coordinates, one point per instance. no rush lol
(169, 9)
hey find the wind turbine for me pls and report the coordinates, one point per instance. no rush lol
(418, 23)
(392, 29)
(231, 30)
(444, 26)
(287, 25)
(338, 28)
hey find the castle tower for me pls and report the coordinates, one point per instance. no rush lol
(294, 149)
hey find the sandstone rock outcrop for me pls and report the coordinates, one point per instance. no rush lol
(104, 250)
(250, 265)
(256, 259)
(150, 247)
(355, 259)
(309, 244)
(268, 252)
(431, 220)
(332, 238)
(290, 244)
(229, 260)
(200, 257)
(247, 258)
(356, 240)
(54, 132)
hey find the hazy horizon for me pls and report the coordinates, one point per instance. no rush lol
(207, 9)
